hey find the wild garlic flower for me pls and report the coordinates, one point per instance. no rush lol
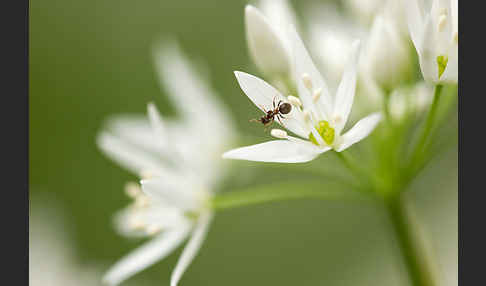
(266, 36)
(386, 58)
(178, 161)
(317, 117)
(435, 37)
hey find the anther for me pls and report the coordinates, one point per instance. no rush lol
(442, 22)
(307, 81)
(306, 115)
(132, 189)
(152, 229)
(317, 95)
(278, 133)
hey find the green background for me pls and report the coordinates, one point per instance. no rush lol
(91, 59)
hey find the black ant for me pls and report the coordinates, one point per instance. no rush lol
(278, 110)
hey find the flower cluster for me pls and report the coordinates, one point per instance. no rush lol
(365, 53)
(177, 163)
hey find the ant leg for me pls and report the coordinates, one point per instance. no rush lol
(261, 106)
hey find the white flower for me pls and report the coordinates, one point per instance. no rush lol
(319, 123)
(410, 100)
(435, 36)
(179, 165)
(52, 259)
(386, 57)
(266, 36)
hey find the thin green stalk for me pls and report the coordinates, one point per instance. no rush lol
(424, 136)
(360, 173)
(280, 192)
(418, 265)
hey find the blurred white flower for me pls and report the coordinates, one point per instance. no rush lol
(435, 37)
(330, 37)
(321, 120)
(386, 56)
(52, 259)
(410, 100)
(266, 37)
(179, 163)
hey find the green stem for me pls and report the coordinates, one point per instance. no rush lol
(429, 123)
(417, 262)
(349, 162)
(279, 192)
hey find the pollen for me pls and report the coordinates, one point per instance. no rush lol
(326, 132)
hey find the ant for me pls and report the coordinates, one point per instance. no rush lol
(278, 110)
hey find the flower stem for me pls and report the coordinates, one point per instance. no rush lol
(414, 252)
(349, 162)
(279, 192)
(429, 123)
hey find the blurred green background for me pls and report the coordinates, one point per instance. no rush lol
(91, 59)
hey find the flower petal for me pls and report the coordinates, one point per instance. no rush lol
(278, 151)
(346, 90)
(129, 156)
(428, 52)
(450, 74)
(156, 122)
(205, 117)
(266, 45)
(192, 247)
(359, 131)
(303, 64)
(146, 255)
(415, 21)
(175, 191)
(263, 95)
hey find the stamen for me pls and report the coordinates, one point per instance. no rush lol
(442, 22)
(146, 174)
(132, 189)
(279, 133)
(137, 224)
(152, 229)
(142, 201)
(294, 101)
(307, 81)
(317, 95)
(306, 115)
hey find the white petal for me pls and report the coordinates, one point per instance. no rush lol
(346, 90)
(130, 156)
(278, 151)
(156, 122)
(175, 191)
(263, 95)
(266, 46)
(303, 64)
(415, 20)
(359, 131)
(428, 52)
(146, 255)
(450, 74)
(136, 130)
(193, 97)
(192, 247)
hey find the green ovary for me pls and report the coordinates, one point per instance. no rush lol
(326, 132)
(442, 63)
